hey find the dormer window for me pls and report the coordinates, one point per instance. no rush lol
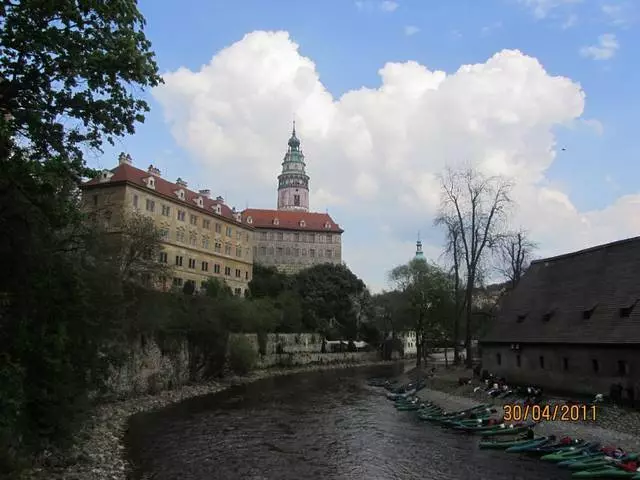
(303, 223)
(547, 315)
(276, 221)
(327, 225)
(625, 312)
(199, 201)
(217, 209)
(249, 220)
(588, 313)
(105, 176)
(180, 194)
(150, 182)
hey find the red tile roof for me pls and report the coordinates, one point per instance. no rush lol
(290, 220)
(125, 173)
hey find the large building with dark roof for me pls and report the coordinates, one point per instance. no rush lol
(291, 237)
(572, 323)
(202, 236)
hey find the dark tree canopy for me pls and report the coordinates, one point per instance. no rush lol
(68, 74)
(329, 294)
(71, 74)
(267, 282)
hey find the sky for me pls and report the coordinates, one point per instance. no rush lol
(385, 95)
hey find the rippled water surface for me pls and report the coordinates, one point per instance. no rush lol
(325, 425)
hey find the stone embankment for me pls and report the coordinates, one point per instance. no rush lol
(99, 453)
(613, 425)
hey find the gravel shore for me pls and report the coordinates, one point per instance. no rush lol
(100, 453)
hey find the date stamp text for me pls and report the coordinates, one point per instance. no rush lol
(538, 413)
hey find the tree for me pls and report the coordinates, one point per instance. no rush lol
(515, 251)
(70, 73)
(328, 293)
(429, 295)
(477, 206)
(138, 245)
(216, 288)
(267, 282)
(453, 250)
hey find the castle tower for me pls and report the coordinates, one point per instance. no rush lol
(419, 252)
(293, 182)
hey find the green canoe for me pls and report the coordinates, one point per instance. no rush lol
(601, 462)
(606, 472)
(460, 415)
(506, 430)
(579, 458)
(577, 451)
(504, 444)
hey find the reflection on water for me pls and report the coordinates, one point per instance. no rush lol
(325, 425)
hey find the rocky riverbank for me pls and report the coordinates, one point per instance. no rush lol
(614, 425)
(99, 453)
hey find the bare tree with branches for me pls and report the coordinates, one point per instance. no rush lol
(515, 251)
(477, 206)
(453, 250)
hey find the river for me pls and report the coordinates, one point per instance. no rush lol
(322, 425)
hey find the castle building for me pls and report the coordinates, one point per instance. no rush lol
(202, 236)
(292, 238)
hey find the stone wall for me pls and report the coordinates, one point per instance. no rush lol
(290, 342)
(577, 369)
(148, 370)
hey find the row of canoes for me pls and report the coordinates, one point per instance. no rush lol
(584, 459)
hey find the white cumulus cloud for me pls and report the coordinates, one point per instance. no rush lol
(371, 5)
(605, 49)
(542, 8)
(374, 153)
(411, 30)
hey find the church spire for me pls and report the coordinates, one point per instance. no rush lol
(293, 182)
(419, 253)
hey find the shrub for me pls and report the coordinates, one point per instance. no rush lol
(242, 356)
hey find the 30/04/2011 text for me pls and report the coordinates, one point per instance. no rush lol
(538, 413)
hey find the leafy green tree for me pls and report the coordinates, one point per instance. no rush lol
(289, 304)
(189, 287)
(429, 293)
(268, 282)
(70, 73)
(329, 293)
(216, 288)
(242, 355)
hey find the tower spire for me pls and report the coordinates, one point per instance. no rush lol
(293, 182)
(419, 252)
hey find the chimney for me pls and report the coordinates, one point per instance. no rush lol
(124, 158)
(154, 171)
(181, 183)
(205, 193)
(220, 199)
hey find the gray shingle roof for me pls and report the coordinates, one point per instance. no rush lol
(549, 303)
